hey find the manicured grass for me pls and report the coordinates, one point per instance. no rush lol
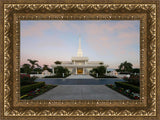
(33, 93)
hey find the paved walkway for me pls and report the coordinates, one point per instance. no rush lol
(81, 92)
(79, 77)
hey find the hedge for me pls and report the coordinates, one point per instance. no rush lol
(55, 76)
(125, 85)
(27, 88)
(103, 76)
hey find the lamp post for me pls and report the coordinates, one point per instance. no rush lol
(53, 70)
(97, 75)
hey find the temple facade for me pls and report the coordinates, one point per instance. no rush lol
(79, 64)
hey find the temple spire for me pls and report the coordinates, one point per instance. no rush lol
(79, 43)
(79, 52)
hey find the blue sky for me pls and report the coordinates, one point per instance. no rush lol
(110, 41)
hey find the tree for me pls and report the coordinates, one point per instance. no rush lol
(101, 63)
(26, 68)
(136, 70)
(38, 66)
(66, 71)
(101, 70)
(50, 70)
(58, 62)
(33, 63)
(45, 67)
(117, 70)
(94, 71)
(59, 70)
(38, 70)
(125, 67)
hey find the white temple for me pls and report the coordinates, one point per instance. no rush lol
(79, 64)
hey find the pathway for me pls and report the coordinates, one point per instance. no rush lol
(79, 77)
(81, 92)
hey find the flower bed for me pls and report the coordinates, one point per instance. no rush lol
(126, 85)
(127, 92)
(33, 93)
(25, 79)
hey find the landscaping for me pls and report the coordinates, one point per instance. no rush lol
(27, 88)
(133, 79)
(25, 79)
(36, 92)
(126, 85)
(126, 89)
(57, 76)
(30, 89)
(102, 76)
(100, 72)
(130, 88)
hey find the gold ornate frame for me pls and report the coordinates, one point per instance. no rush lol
(11, 12)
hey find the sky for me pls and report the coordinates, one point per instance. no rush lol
(110, 41)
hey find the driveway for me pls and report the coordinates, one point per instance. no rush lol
(81, 92)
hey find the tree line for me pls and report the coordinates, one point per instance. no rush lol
(127, 67)
(33, 67)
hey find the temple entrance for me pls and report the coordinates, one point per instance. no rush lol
(79, 70)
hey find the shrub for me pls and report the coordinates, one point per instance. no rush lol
(103, 76)
(56, 76)
(25, 76)
(126, 85)
(134, 79)
(125, 78)
(27, 88)
(25, 79)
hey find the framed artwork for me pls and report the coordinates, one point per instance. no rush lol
(79, 59)
(87, 74)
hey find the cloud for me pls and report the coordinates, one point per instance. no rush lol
(36, 29)
(116, 39)
(50, 42)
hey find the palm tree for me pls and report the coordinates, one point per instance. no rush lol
(33, 63)
(38, 66)
(125, 67)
